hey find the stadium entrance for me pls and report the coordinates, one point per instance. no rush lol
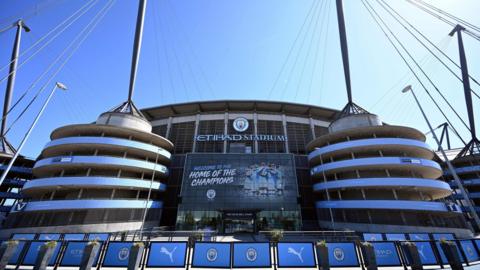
(239, 222)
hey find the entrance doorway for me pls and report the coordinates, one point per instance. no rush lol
(239, 222)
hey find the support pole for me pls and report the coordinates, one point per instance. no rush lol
(466, 80)
(25, 138)
(344, 47)
(12, 73)
(137, 45)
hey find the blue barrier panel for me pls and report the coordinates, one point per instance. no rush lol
(372, 237)
(16, 256)
(418, 236)
(211, 254)
(295, 255)
(117, 254)
(74, 236)
(49, 236)
(72, 255)
(33, 250)
(446, 236)
(342, 254)
(425, 250)
(395, 237)
(98, 236)
(477, 242)
(386, 254)
(442, 255)
(167, 254)
(251, 255)
(23, 236)
(469, 250)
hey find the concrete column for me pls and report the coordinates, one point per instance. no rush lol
(312, 127)
(284, 122)
(197, 121)
(169, 127)
(225, 131)
(255, 131)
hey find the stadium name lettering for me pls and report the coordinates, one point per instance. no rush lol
(240, 137)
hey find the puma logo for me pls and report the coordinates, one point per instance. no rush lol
(296, 253)
(168, 253)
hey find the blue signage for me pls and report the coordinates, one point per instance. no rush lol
(167, 254)
(425, 250)
(442, 255)
(386, 254)
(295, 255)
(23, 236)
(211, 254)
(395, 237)
(372, 237)
(418, 236)
(73, 236)
(16, 256)
(33, 250)
(49, 236)
(251, 255)
(446, 236)
(342, 254)
(477, 242)
(73, 254)
(117, 254)
(98, 236)
(469, 250)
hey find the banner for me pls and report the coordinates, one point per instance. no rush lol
(49, 236)
(372, 237)
(251, 255)
(167, 254)
(232, 181)
(395, 237)
(386, 254)
(98, 236)
(342, 254)
(211, 254)
(23, 236)
(418, 236)
(73, 253)
(295, 255)
(73, 236)
(425, 250)
(117, 254)
(449, 237)
(469, 250)
(33, 250)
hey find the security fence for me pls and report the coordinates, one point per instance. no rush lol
(70, 252)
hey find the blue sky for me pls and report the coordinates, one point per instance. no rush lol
(209, 50)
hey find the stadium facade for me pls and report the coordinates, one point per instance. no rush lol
(238, 166)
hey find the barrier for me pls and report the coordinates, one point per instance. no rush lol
(177, 254)
(372, 237)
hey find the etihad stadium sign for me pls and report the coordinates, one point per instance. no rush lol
(240, 137)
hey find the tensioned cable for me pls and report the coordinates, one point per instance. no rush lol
(157, 51)
(307, 56)
(421, 69)
(35, 82)
(292, 69)
(315, 58)
(86, 7)
(472, 34)
(29, 13)
(325, 45)
(424, 45)
(291, 49)
(85, 32)
(443, 12)
(189, 45)
(408, 64)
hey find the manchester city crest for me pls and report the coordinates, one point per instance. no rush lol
(212, 254)
(123, 253)
(338, 254)
(251, 254)
(240, 124)
(211, 193)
